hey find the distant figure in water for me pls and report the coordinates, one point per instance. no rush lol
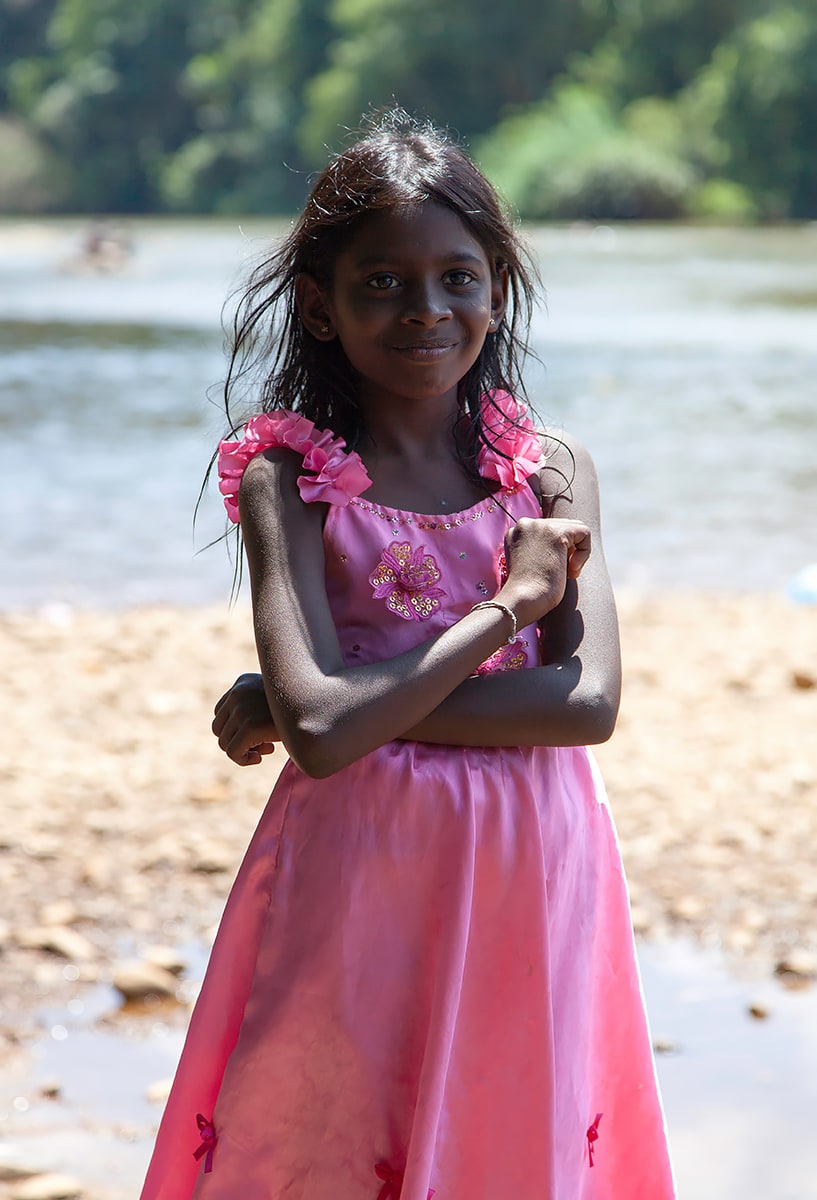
(424, 983)
(104, 249)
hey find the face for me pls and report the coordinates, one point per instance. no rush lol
(411, 301)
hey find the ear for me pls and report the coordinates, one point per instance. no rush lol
(499, 297)
(312, 308)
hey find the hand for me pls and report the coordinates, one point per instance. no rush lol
(243, 723)
(542, 554)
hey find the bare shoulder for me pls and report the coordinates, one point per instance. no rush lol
(567, 481)
(268, 471)
(269, 485)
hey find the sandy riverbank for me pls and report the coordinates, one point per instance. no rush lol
(123, 823)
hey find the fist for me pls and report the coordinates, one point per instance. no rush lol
(542, 553)
(243, 723)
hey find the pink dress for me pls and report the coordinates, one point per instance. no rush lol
(424, 982)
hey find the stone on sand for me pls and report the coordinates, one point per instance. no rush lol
(136, 980)
(47, 1187)
(57, 939)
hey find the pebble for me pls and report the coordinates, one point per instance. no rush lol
(47, 1187)
(799, 962)
(759, 1010)
(159, 1091)
(665, 1045)
(57, 939)
(10, 1173)
(137, 980)
(60, 912)
(165, 957)
(688, 907)
(804, 680)
(211, 859)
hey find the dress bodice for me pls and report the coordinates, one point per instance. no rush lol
(394, 578)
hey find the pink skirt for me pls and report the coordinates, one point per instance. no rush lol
(424, 983)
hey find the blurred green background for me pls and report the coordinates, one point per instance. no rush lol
(579, 109)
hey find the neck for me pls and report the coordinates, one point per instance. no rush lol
(411, 430)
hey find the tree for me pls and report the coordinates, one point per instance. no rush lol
(247, 92)
(761, 89)
(106, 95)
(464, 63)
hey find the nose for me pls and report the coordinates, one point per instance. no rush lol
(426, 304)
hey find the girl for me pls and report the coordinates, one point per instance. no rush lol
(424, 982)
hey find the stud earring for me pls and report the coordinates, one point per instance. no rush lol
(324, 328)
(492, 323)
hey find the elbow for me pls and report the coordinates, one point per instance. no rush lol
(599, 711)
(318, 752)
(602, 725)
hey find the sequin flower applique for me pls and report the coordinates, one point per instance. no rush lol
(407, 580)
(511, 657)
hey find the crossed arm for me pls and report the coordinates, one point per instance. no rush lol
(328, 715)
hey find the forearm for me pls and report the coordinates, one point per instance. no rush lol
(337, 714)
(555, 705)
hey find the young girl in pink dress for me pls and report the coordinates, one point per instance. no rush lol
(424, 983)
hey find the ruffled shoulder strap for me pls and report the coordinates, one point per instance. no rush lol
(516, 450)
(336, 475)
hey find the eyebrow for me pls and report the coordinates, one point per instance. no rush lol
(463, 256)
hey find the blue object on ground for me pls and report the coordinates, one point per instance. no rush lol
(802, 587)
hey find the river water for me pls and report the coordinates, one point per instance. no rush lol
(685, 358)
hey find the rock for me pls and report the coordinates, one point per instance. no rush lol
(161, 704)
(159, 1091)
(759, 1010)
(10, 1173)
(61, 912)
(688, 907)
(641, 919)
(166, 958)
(137, 980)
(799, 962)
(51, 1088)
(740, 939)
(665, 1045)
(58, 940)
(47, 1187)
(210, 858)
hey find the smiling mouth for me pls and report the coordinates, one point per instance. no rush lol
(425, 351)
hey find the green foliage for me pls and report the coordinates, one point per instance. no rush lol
(761, 94)
(32, 180)
(574, 156)
(655, 47)
(23, 25)
(579, 108)
(247, 96)
(464, 62)
(722, 200)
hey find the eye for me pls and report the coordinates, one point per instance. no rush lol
(460, 277)
(383, 282)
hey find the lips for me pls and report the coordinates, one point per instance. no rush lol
(425, 351)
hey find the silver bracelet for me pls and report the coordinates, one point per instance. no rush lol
(502, 608)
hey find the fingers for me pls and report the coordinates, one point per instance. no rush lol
(578, 553)
(221, 712)
(248, 679)
(251, 757)
(242, 722)
(243, 747)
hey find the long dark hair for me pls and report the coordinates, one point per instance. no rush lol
(395, 161)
